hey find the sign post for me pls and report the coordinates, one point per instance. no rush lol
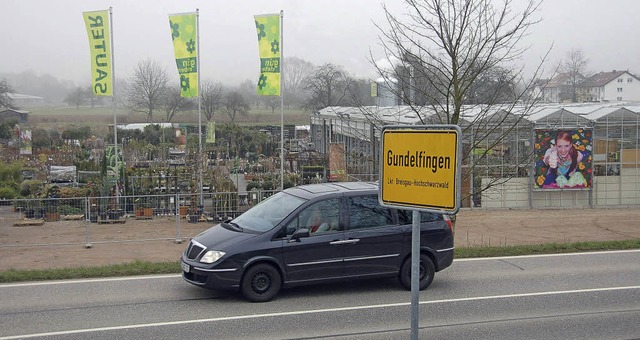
(420, 171)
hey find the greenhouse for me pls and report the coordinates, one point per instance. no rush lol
(510, 156)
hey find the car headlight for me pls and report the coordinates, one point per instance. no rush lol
(211, 256)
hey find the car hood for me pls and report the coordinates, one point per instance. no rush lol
(219, 238)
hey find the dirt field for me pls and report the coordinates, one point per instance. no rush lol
(63, 243)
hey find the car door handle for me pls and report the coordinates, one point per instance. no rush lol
(349, 241)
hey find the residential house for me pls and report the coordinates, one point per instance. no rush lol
(611, 86)
(558, 89)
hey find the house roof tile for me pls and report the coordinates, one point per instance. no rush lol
(604, 78)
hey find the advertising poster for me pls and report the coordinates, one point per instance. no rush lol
(563, 159)
(25, 142)
(181, 136)
(337, 164)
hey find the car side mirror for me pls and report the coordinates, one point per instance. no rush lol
(298, 234)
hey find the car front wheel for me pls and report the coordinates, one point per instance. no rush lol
(261, 283)
(427, 271)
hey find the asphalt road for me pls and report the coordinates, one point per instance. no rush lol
(577, 296)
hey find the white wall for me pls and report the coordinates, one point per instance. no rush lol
(630, 90)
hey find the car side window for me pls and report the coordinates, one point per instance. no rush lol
(406, 217)
(366, 212)
(320, 217)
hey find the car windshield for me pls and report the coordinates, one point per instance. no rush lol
(268, 213)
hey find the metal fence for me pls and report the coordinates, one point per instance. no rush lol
(89, 220)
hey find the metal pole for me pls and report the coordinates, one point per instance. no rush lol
(199, 109)
(281, 102)
(177, 215)
(415, 273)
(113, 107)
(87, 222)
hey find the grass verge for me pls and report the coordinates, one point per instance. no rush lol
(150, 268)
(550, 248)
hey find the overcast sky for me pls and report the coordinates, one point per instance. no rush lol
(49, 36)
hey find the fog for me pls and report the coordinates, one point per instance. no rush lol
(49, 37)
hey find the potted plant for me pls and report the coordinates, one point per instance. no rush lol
(51, 213)
(93, 217)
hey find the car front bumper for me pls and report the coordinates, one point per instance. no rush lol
(218, 277)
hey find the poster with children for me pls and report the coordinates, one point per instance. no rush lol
(563, 158)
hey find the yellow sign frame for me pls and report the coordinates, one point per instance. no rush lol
(420, 167)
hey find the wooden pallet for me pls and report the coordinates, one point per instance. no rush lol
(118, 221)
(73, 217)
(26, 223)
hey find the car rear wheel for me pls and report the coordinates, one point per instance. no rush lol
(261, 283)
(427, 271)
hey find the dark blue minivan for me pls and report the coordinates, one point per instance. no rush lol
(316, 233)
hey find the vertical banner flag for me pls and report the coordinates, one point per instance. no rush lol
(114, 163)
(211, 133)
(98, 30)
(25, 142)
(185, 46)
(268, 29)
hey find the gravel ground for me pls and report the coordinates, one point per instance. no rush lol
(64, 243)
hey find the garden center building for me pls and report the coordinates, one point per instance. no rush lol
(512, 169)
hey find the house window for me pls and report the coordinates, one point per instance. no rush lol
(619, 80)
(619, 99)
(629, 80)
(619, 89)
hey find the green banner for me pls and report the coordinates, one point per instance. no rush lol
(211, 133)
(184, 35)
(113, 171)
(268, 29)
(98, 30)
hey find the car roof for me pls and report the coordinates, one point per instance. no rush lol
(309, 191)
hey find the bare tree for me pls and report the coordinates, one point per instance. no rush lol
(247, 89)
(235, 104)
(574, 67)
(93, 99)
(211, 98)
(495, 85)
(328, 85)
(174, 102)
(146, 88)
(78, 97)
(271, 102)
(5, 90)
(446, 49)
(294, 73)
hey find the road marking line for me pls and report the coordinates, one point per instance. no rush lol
(327, 310)
(605, 252)
(108, 279)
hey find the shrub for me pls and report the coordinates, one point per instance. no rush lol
(8, 193)
(71, 192)
(69, 210)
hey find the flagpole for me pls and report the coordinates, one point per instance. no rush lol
(281, 102)
(113, 106)
(200, 161)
